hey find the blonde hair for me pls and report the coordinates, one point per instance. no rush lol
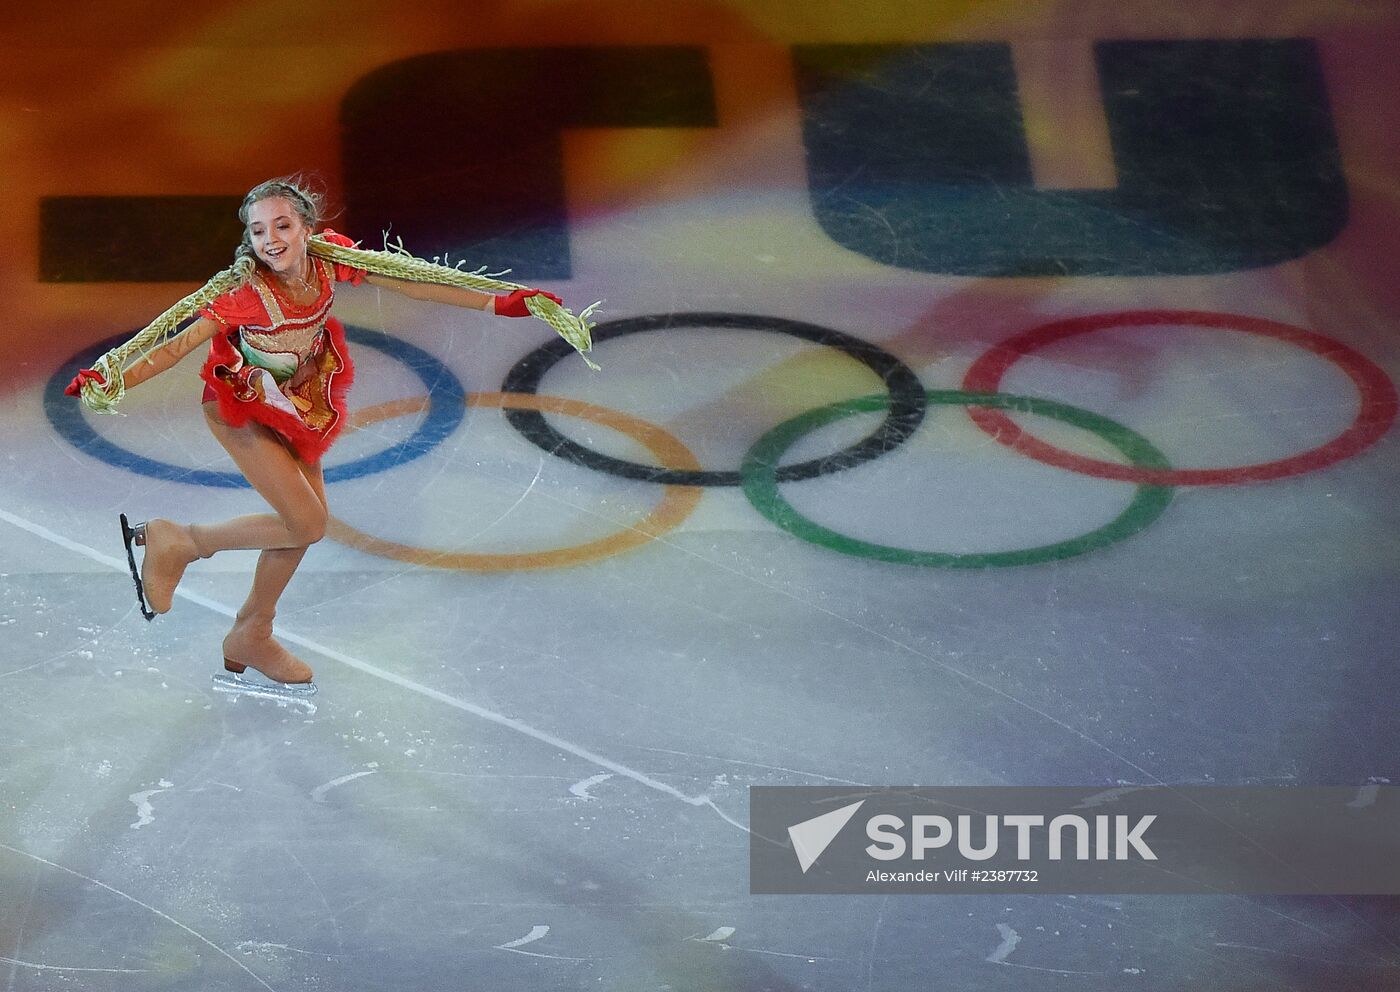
(394, 261)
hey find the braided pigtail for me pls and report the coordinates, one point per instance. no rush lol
(398, 263)
(104, 398)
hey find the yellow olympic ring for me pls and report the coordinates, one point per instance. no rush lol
(676, 504)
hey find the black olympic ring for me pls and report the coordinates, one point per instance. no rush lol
(907, 401)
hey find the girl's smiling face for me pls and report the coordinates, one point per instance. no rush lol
(279, 235)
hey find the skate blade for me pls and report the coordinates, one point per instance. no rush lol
(128, 536)
(282, 693)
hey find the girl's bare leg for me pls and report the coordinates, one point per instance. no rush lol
(250, 642)
(299, 520)
(296, 491)
(277, 565)
(280, 478)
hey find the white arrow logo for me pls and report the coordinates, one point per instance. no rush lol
(811, 837)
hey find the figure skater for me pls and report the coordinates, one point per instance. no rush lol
(275, 384)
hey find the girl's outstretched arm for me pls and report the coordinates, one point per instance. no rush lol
(169, 353)
(510, 305)
(434, 292)
(162, 358)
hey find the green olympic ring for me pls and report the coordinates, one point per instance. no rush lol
(760, 482)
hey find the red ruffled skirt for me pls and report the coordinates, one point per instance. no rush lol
(307, 416)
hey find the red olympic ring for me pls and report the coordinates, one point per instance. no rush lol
(1375, 416)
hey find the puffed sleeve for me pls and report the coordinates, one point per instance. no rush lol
(344, 273)
(236, 308)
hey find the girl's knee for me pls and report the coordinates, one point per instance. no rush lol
(309, 525)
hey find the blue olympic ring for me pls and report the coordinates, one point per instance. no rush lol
(446, 409)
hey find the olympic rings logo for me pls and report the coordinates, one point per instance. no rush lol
(760, 475)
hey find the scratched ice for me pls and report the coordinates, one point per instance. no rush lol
(538, 777)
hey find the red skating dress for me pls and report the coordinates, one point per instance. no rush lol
(280, 364)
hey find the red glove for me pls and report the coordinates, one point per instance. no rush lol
(514, 304)
(75, 387)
